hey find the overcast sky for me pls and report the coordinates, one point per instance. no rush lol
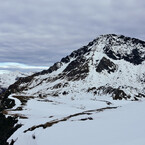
(40, 32)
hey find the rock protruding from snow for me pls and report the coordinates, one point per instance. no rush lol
(106, 64)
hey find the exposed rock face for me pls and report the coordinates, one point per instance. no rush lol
(106, 64)
(109, 60)
(7, 128)
(135, 56)
(77, 69)
(116, 93)
(2, 90)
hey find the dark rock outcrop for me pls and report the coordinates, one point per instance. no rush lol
(134, 57)
(77, 69)
(2, 90)
(116, 93)
(7, 128)
(106, 64)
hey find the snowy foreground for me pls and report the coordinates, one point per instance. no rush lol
(79, 122)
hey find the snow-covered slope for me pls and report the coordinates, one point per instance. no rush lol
(8, 78)
(122, 126)
(110, 64)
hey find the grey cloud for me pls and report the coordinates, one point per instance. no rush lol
(42, 31)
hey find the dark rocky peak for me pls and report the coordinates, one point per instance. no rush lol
(106, 64)
(116, 47)
(52, 68)
(120, 47)
(77, 53)
(135, 56)
(121, 39)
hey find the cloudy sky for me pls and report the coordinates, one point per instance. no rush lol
(37, 33)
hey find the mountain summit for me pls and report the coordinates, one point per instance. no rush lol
(110, 65)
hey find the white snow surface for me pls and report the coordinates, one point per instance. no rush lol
(121, 126)
(7, 78)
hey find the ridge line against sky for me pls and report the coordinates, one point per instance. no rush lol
(41, 32)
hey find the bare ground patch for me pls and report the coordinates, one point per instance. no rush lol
(23, 99)
(51, 123)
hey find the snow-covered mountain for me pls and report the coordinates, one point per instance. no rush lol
(9, 78)
(78, 100)
(110, 65)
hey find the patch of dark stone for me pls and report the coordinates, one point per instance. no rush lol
(116, 93)
(50, 101)
(80, 52)
(65, 93)
(33, 136)
(106, 64)
(16, 86)
(7, 103)
(57, 86)
(2, 90)
(124, 39)
(23, 99)
(77, 69)
(119, 94)
(142, 79)
(15, 115)
(7, 128)
(51, 123)
(134, 40)
(46, 100)
(137, 97)
(54, 67)
(134, 57)
(84, 119)
(60, 85)
(107, 102)
(57, 65)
